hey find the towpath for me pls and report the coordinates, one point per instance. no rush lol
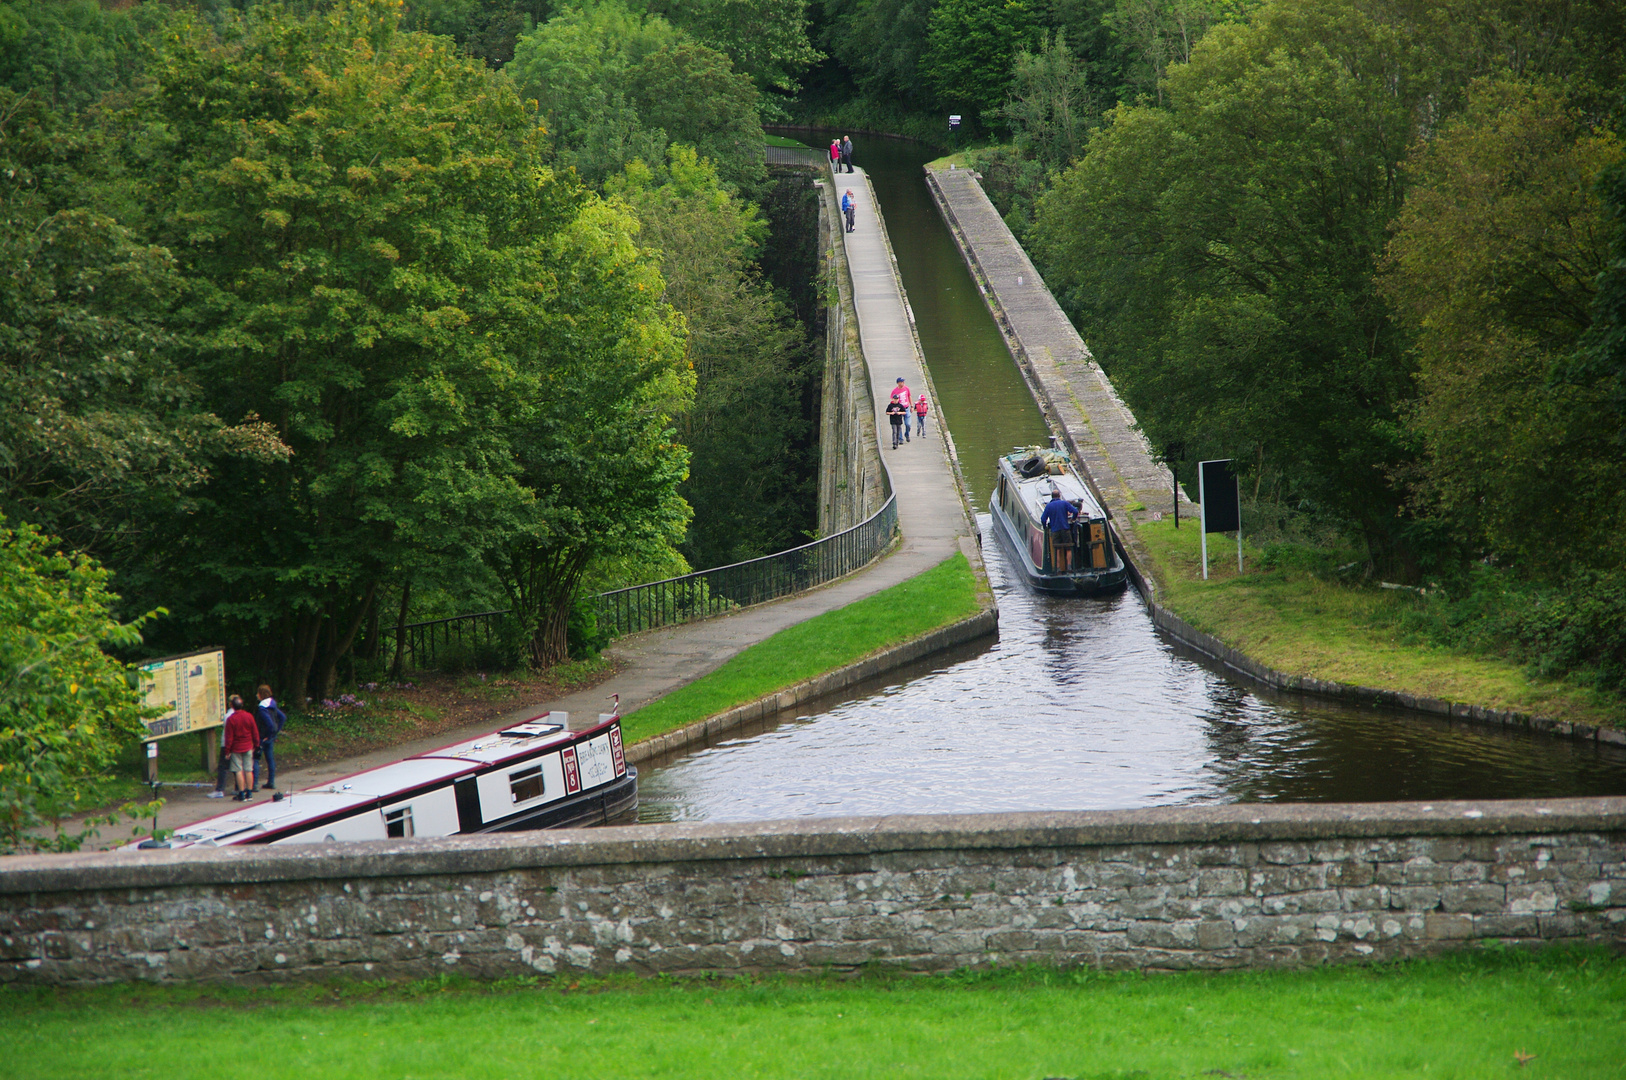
(931, 519)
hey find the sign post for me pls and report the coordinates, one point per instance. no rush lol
(190, 693)
(1225, 513)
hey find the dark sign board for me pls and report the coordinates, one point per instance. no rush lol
(1217, 487)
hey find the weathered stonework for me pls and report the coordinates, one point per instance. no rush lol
(1186, 887)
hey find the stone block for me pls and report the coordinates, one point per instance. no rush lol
(1281, 854)
(1216, 935)
(1506, 926)
(1536, 898)
(1475, 899)
(1439, 926)
(1414, 897)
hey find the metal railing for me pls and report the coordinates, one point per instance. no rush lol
(674, 600)
(424, 642)
(712, 592)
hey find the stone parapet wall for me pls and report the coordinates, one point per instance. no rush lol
(1185, 887)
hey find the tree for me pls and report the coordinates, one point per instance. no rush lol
(1219, 253)
(766, 39)
(1051, 109)
(1495, 264)
(971, 46)
(616, 86)
(1158, 33)
(384, 265)
(881, 42)
(595, 445)
(71, 53)
(101, 428)
(66, 707)
(746, 484)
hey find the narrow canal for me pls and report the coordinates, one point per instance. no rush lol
(1079, 704)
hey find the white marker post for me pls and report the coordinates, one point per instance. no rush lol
(1202, 514)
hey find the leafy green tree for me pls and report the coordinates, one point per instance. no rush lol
(66, 707)
(101, 427)
(1494, 264)
(616, 86)
(384, 266)
(71, 52)
(766, 39)
(747, 485)
(1158, 33)
(487, 29)
(881, 42)
(1219, 253)
(594, 445)
(971, 46)
(1051, 109)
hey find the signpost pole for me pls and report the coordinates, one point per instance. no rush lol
(1202, 506)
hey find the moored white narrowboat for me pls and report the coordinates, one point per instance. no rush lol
(535, 775)
(1082, 562)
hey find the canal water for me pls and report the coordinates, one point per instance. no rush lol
(1079, 704)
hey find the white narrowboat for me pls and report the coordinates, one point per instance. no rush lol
(534, 775)
(1082, 561)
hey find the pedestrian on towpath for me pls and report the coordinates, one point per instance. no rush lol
(847, 152)
(900, 392)
(848, 209)
(242, 739)
(921, 409)
(835, 155)
(271, 720)
(895, 412)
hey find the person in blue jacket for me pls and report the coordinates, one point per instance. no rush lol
(271, 721)
(1058, 518)
(848, 209)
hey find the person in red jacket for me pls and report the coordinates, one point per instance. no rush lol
(242, 739)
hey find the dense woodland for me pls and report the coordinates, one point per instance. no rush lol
(320, 316)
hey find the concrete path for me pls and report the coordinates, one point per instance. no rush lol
(931, 519)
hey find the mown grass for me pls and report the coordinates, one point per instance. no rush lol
(1463, 1017)
(942, 595)
(1302, 622)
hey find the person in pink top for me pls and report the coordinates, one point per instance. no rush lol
(242, 738)
(901, 393)
(921, 409)
(835, 155)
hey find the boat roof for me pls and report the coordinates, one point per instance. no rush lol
(516, 740)
(1034, 492)
(370, 785)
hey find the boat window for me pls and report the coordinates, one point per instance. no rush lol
(526, 784)
(398, 822)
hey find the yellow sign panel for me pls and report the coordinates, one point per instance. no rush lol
(191, 691)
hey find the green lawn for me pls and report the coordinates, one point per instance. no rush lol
(1463, 1017)
(1302, 624)
(942, 595)
(780, 140)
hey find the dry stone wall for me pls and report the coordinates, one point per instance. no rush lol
(1204, 887)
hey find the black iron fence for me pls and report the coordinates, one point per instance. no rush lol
(712, 592)
(669, 602)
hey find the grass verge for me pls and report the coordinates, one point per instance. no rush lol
(942, 595)
(1557, 1013)
(1298, 622)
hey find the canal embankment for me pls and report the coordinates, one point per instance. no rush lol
(1100, 431)
(1197, 887)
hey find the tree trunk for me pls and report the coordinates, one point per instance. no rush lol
(400, 631)
(339, 644)
(297, 666)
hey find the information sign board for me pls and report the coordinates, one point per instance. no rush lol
(191, 691)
